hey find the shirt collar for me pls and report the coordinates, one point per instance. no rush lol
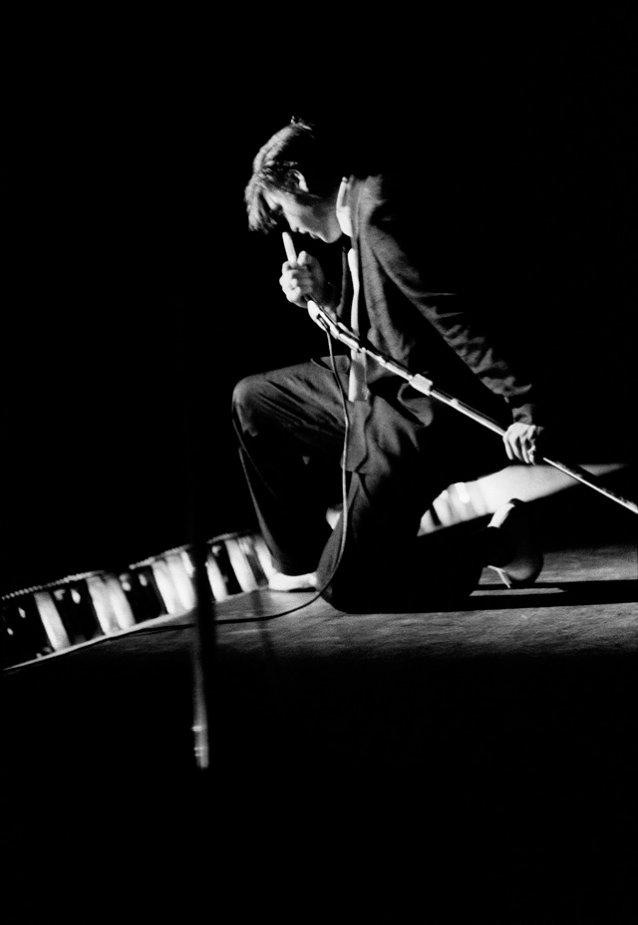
(347, 201)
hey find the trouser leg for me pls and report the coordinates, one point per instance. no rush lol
(281, 418)
(285, 416)
(383, 564)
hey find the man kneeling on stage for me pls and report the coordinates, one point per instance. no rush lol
(397, 448)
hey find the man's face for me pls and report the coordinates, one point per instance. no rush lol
(319, 219)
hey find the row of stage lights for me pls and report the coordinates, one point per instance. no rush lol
(46, 619)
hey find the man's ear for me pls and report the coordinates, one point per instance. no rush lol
(300, 180)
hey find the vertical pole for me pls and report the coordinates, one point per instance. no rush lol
(204, 637)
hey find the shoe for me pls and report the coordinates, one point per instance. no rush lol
(521, 555)
(280, 582)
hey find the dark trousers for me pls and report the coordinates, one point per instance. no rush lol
(291, 426)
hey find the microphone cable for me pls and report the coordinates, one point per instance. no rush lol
(141, 630)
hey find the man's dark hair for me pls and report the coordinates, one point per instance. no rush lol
(297, 148)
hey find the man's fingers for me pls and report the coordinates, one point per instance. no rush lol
(305, 259)
(520, 444)
(521, 441)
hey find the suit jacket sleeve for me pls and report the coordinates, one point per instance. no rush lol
(401, 254)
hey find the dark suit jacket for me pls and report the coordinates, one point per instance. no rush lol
(419, 306)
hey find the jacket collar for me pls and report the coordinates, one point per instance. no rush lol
(347, 204)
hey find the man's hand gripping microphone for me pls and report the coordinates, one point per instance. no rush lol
(317, 312)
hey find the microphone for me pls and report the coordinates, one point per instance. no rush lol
(313, 309)
(317, 312)
(291, 254)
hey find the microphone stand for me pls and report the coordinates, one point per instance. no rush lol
(203, 651)
(422, 384)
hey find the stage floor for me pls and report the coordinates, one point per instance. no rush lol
(468, 763)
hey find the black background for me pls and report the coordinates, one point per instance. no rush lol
(135, 297)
